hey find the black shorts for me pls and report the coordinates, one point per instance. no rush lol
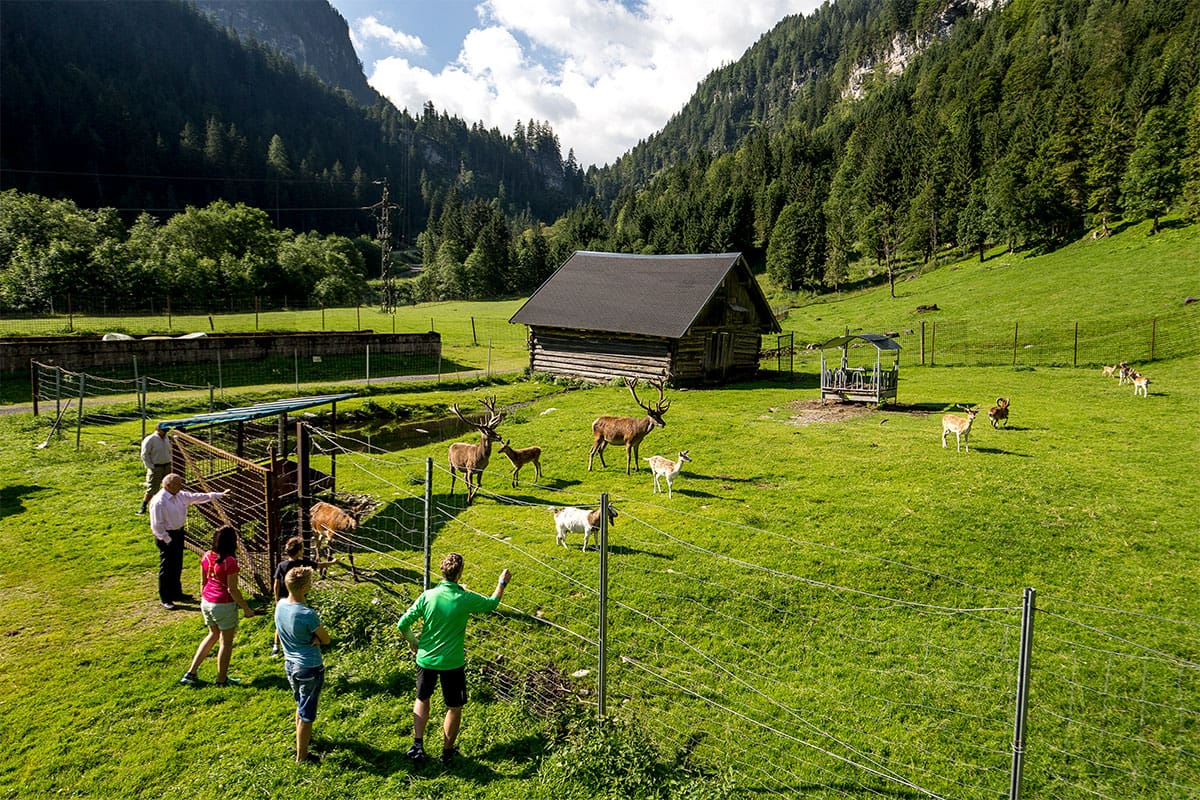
(454, 685)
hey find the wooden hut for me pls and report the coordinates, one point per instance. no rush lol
(865, 383)
(684, 318)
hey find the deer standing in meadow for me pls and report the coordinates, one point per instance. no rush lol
(961, 428)
(999, 412)
(1141, 385)
(628, 431)
(520, 457)
(472, 459)
(666, 468)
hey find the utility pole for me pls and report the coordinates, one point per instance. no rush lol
(382, 211)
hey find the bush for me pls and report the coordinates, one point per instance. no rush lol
(616, 760)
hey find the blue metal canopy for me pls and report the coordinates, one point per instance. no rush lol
(257, 411)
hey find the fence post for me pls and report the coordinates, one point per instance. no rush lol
(1018, 745)
(428, 518)
(1075, 353)
(474, 340)
(79, 419)
(303, 482)
(33, 384)
(602, 675)
(1153, 331)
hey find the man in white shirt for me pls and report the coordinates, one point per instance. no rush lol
(168, 518)
(156, 455)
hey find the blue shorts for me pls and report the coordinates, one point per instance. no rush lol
(306, 683)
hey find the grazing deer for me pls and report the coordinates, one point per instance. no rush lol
(1127, 374)
(1141, 385)
(961, 428)
(519, 458)
(999, 412)
(328, 522)
(578, 520)
(628, 431)
(472, 459)
(666, 468)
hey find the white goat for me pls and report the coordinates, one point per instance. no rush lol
(1141, 385)
(961, 428)
(578, 520)
(666, 468)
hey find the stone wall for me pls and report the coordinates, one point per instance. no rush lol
(80, 353)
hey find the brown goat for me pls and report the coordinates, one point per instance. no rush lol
(521, 457)
(472, 459)
(999, 412)
(628, 431)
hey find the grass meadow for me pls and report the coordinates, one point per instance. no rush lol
(828, 607)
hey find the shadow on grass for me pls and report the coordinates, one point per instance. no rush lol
(12, 497)
(997, 451)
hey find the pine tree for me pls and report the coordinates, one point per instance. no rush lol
(1153, 178)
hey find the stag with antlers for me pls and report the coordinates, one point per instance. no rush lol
(472, 459)
(628, 431)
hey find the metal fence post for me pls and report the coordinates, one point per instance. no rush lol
(1018, 744)
(602, 676)
(428, 518)
(79, 419)
(33, 384)
(1075, 354)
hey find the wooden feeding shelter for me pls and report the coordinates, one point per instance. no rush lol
(244, 451)
(863, 383)
(686, 318)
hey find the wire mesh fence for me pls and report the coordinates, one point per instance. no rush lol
(742, 651)
(988, 342)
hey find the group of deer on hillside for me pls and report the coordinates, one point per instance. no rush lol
(1127, 374)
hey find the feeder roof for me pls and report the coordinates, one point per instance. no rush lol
(257, 411)
(880, 341)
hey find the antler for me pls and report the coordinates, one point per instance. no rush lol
(494, 416)
(660, 406)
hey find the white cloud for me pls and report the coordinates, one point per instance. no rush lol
(372, 28)
(605, 76)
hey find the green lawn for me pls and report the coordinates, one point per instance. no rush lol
(791, 596)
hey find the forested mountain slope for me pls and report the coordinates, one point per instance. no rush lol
(894, 130)
(149, 105)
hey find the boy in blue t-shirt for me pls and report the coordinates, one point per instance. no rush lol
(293, 549)
(302, 634)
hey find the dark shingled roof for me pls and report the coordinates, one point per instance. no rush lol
(646, 295)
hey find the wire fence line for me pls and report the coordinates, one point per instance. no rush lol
(737, 657)
(991, 342)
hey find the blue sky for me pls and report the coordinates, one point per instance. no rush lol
(604, 73)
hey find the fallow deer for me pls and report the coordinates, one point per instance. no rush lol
(999, 412)
(1141, 385)
(666, 468)
(472, 459)
(520, 457)
(961, 428)
(628, 431)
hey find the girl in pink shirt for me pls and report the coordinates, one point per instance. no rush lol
(221, 598)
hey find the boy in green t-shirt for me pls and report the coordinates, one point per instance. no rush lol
(444, 611)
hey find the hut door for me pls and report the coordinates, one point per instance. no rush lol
(718, 354)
